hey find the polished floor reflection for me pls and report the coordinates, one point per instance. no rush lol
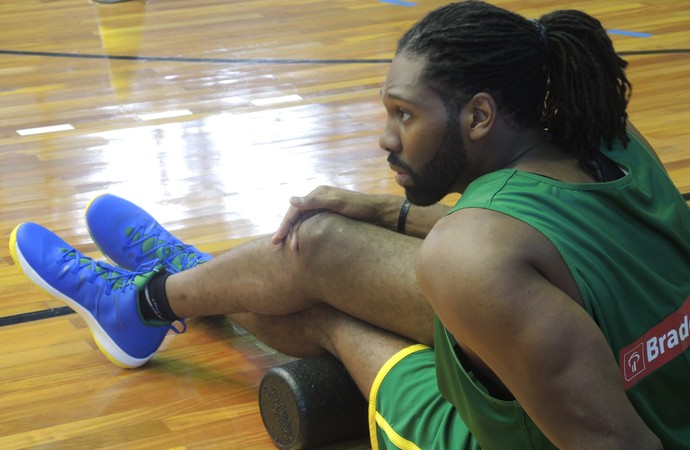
(211, 114)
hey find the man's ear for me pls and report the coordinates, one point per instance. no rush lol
(481, 112)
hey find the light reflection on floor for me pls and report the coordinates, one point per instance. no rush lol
(251, 164)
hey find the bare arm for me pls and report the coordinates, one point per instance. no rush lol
(479, 271)
(381, 210)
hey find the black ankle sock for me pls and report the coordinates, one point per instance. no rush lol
(153, 301)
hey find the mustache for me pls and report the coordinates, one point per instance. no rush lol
(395, 160)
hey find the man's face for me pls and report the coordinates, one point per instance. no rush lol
(422, 136)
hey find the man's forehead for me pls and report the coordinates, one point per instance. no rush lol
(404, 78)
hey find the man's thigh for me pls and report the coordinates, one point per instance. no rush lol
(365, 271)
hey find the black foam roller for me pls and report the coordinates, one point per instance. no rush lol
(311, 402)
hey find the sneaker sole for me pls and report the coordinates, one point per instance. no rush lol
(106, 345)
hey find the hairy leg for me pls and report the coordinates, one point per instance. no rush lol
(361, 347)
(358, 268)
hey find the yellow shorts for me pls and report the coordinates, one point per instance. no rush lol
(406, 409)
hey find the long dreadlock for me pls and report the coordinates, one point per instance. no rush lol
(559, 72)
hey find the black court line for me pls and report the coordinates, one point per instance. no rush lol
(33, 316)
(670, 51)
(195, 60)
(260, 61)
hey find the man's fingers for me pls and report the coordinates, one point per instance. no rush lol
(285, 226)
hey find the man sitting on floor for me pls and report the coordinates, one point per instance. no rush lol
(546, 308)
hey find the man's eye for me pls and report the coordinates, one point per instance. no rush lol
(404, 115)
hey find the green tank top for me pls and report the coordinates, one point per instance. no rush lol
(627, 245)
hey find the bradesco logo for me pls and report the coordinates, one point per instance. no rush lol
(658, 346)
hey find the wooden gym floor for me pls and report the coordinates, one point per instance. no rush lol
(210, 114)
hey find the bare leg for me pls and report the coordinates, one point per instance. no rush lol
(358, 268)
(361, 347)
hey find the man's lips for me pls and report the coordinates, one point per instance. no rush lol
(401, 177)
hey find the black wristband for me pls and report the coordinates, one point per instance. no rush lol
(402, 218)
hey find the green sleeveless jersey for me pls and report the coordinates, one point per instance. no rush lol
(627, 245)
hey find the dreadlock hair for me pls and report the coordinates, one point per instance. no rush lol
(560, 72)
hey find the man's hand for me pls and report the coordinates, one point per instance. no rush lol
(355, 205)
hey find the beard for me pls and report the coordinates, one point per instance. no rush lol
(438, 175)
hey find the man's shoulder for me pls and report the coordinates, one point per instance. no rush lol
(481, 236)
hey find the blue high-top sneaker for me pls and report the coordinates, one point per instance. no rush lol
(130, 237)
(103, 295)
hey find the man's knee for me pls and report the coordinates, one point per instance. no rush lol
(324, 230)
